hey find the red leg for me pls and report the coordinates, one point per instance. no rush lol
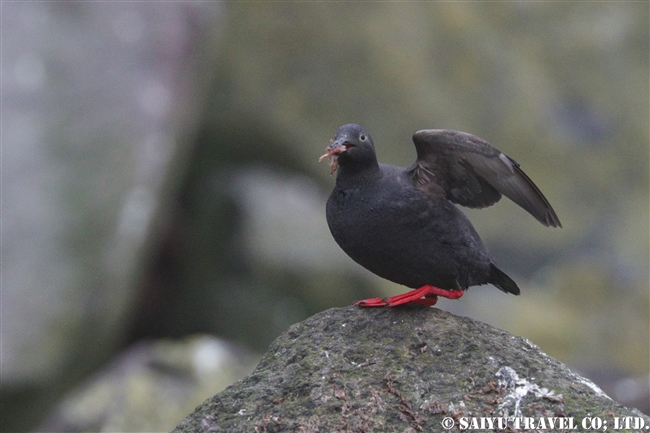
(425, 295)
(427, 301)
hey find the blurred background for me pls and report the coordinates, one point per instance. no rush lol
(163, 210)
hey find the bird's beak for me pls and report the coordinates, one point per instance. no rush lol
(332, 151)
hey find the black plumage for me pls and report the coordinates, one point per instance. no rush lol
(401, 223)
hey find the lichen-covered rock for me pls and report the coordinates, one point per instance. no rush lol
(402, 369)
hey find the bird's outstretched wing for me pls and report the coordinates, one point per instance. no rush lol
(469, 171)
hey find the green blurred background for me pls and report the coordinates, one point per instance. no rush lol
(163, 206)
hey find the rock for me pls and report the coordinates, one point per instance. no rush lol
(406, 369)
(151, 386)
(97, 100)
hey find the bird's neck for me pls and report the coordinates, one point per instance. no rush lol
(357, 173)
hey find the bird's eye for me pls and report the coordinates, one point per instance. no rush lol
(362, 137)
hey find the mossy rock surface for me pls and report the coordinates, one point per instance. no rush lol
(402, 369)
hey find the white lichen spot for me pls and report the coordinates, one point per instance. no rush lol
(595, 388)
(530, 343)
(517, 388)
(457, 408)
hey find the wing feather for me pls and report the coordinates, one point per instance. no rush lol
(469, 171)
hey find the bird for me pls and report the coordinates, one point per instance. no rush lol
(402, 223)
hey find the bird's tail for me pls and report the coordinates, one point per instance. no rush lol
(500, 280)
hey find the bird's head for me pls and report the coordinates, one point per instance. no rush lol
(352, 145)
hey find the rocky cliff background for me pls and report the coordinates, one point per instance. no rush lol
(160, 184)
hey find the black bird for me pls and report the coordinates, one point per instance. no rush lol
(401, 223)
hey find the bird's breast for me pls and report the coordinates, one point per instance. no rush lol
(363, 219)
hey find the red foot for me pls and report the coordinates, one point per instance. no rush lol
(425, 295)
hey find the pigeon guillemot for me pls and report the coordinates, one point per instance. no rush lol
(402, 224)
